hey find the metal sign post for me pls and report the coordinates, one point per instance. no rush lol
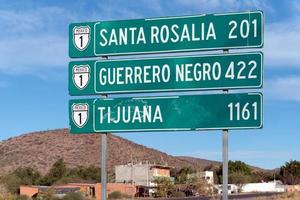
(103, 165)
(103, 158)
(225, 165)
(225, 154)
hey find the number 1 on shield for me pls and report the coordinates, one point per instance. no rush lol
(80, 76)
(80, 120)
(81, 41)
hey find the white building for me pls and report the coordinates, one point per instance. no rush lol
(206, 175)
(232, 188)
(274, 186)
(142, 174)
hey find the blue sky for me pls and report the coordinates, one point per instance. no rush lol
(34, 59)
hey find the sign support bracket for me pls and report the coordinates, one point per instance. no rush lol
(104, 157)
(225, 154)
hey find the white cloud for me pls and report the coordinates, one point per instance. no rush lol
(32, 21)
(296, 5)
(287, 88)
(282, 42)
(224, 5)
(112, 11)
(33, 54)
(31, 41)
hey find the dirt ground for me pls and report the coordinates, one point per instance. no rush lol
(285, 196)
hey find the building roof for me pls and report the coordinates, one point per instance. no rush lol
(160, 166)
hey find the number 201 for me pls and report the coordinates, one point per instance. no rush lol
(243, 29)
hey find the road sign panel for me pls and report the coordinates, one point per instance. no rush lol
(231, 71)
(169, 34)
(178, 113)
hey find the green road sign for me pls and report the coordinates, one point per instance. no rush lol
(177, 113)
(169, 34)
(231, 71)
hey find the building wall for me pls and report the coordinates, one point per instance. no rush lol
(161, 172)
(123, 173)
(263, 187)
(127, 189)
(139, 174)
(29, 191)
(86, 189)
(209, 177)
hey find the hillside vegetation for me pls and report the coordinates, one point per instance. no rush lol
(41, 150)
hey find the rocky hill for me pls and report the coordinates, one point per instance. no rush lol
(42, 149)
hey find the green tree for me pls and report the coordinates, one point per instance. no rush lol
(263, 176)
(182, 174)
(57, 172)
(21, 176)
(238, 172)
(290, 172)
(239, 178)
(238, 167)
(91, 173)
(165, 187)
(28, 175)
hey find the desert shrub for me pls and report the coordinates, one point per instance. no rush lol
(13, 197)
(21, 176)
(86, 173)
(28, 175)
(11, 182)
(3, 190)
(178, 194)
(47, 195)
(165, 187)
(115, 195)
(22, 197)
(73, 196)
